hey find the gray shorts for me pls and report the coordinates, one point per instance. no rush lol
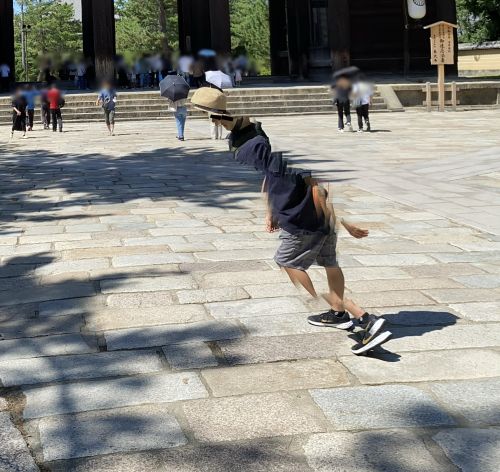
(110, 117)
(301, 250)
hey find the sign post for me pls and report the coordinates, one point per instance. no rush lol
(442, 52)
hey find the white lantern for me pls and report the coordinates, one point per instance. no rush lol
(416, 9)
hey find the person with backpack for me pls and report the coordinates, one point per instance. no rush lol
(30, 93)
(56, 102)
(107, 99)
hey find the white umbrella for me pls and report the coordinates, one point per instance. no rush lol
(219, 79)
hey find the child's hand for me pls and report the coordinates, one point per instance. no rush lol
(271, 224)
(355, 231)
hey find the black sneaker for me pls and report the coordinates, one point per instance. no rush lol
(371, 325)
(332, 319)
(361, 348)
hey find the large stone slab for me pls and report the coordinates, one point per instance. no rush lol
(171, 334)
(478, 311)
(209, 295)
(14, 454)
(471, 450)
(278, 325)
(419, 315)
(254, 350)
(457, 295)
(387, 406)
(236, 255)
(110, 431)
(260, 455)
(58, 291)
(225, 279)
(401, 284)
(72, 306)
(370, 451)
(28, 328)
(103, 364)
(56, 345)
(151, 259)
(460, 336)
(265, 306)
(195, 355)
(275, 377)
(140, 300)
(388, 299)
(147, 284)
(63, 267)
(478, 400)
(394, 260)
(115, 393)
(250, 416)
(423, 366)
(116, 318)
(479, 280)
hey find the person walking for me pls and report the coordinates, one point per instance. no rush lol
(362, 97)
(19, 105)
(342, 89)
(45, 108)
(107, 98)
(180, 111)
(4, 77)
(81, 75)
(56, 102)
(30, 93)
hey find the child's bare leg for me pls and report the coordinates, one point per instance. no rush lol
(336, 285)
(353, 309)
(300, 277)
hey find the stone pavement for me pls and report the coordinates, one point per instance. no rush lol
(144, 326)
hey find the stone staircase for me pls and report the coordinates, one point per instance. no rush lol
(263, 101)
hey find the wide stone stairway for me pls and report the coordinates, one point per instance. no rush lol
(265, 101)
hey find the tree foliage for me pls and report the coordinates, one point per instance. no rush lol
(250, 31)
(145, 26)
(479, 20)
(53, 32)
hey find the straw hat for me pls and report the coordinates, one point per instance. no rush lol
(211, 100)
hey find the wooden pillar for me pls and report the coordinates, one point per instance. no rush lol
(220, 26)
(88, 30)
(446, 10)
(278, 37)
(103, 15)
(297, 17)
(7, 36)
(339, 32)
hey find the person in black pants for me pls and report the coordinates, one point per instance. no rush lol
(45, 106)
(19, 105)
(342, 90)
(56, 102)
(363, 114)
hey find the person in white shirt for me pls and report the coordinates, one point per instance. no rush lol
(4, 77)
(362, 93)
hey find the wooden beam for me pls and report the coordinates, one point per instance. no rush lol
(7, 35)
(339, 32)
(297, 16)
(278, 37)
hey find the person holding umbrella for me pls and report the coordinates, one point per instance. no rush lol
(342, 87)
(176, 90)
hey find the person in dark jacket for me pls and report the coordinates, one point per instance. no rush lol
(19, 106)
(342, 90)
(299, 207)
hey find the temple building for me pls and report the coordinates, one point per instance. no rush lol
(308, 37)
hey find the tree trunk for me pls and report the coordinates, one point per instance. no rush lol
(163, 25)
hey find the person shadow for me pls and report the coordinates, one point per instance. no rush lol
(407, 324)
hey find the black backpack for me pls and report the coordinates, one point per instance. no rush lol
(61, 102)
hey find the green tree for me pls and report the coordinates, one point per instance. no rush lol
(54, 32)
(145, 26)
(250, 31)
(479, 20)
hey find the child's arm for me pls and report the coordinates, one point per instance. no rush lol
(355, 231)
(271, 223)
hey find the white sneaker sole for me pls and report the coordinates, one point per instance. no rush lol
(378, 341)
(377, 326)
(346, 325)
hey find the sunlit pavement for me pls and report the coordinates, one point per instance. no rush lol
(144, 326)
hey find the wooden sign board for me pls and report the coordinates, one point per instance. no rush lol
(442, 43)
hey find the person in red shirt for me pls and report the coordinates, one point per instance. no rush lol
(56, 101)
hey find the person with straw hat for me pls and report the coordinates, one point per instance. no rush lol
(299, 207)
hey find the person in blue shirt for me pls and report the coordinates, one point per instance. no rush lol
(107, 99)
(30, 94)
